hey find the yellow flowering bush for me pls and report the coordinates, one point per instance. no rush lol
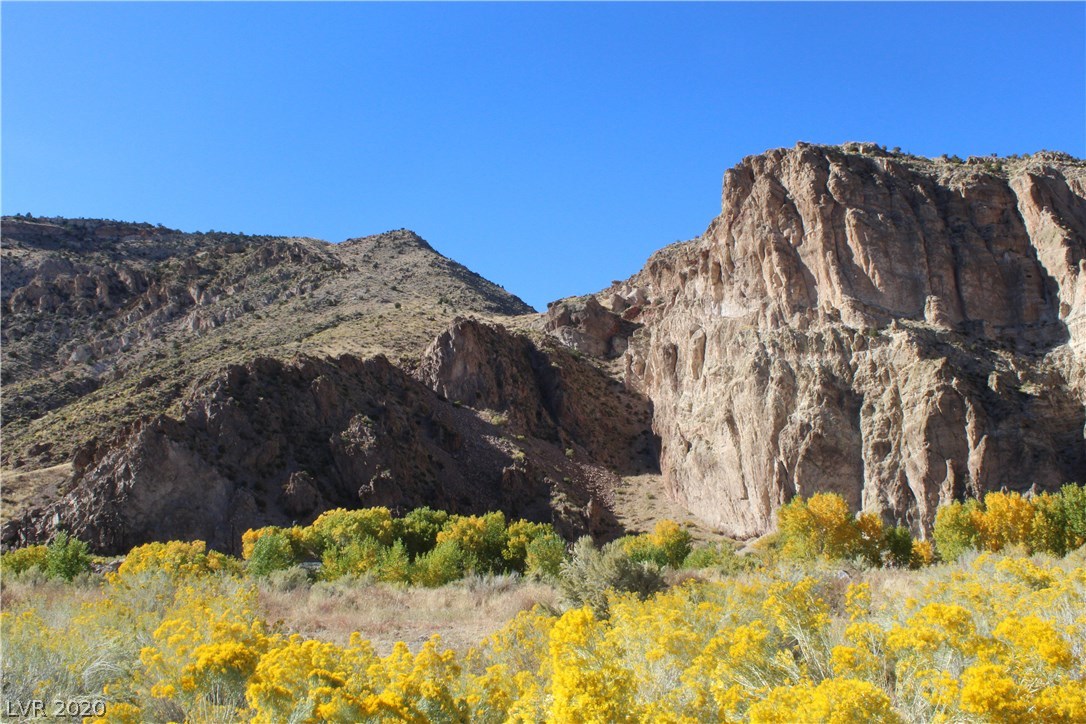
(998, 636)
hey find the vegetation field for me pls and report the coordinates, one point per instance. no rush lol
(835, 618)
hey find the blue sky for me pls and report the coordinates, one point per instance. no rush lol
(549, 147)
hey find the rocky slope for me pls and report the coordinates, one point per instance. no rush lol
(900, 330)
(227, 382)
(895, 329)
(105, 321)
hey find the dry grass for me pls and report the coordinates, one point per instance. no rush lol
(463, 613)
(640, 502)
(18, 490)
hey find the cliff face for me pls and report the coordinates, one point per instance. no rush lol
(894, 329)
(490, 421)
(897, 330)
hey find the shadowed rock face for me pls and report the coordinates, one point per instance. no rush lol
(273, 442)
(899, 331)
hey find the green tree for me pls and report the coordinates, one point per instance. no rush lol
(66, 557)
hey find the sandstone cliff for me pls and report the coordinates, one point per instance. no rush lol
(899, 330)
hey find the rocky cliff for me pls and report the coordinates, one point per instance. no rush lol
(899, 330)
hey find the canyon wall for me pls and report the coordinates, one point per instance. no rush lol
(898, 330)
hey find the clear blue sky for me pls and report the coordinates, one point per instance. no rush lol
(550, 147)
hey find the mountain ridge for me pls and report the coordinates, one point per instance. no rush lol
(901, 330)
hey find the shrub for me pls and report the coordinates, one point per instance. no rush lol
(898, 543)
(341, 527)
(23, 559)
(66, 557)
(1073, 502)
(289, 579)
(179, 559)
(821, 526)
(956, 529)
(641, 549)
(393, 564)
(871, 537)
(673, 540)
(419, 528)
(720, 556)
(518, 537)
(589, 575)
(482, 538)
(271, 552)
(1007, 520)
(544, 555)
(353, 559)
(1049, 530)
(444, 564)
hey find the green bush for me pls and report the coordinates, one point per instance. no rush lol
(719, 556)
(419, 528)
(444, 564)
(271, 552)
(393, 564)
(66, 557)
(898, 547)
(544, 556)
(518, 537)
(354, 559)
(589, 574)
(956, 529)
(1073, 502)
(1050, 531)
(23, 559)
(641, 549)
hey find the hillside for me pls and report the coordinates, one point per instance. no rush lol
(900, 330)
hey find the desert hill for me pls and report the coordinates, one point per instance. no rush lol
(901, 330)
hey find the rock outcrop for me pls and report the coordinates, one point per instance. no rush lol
(898, 330)
(272, 442)
(490, 421)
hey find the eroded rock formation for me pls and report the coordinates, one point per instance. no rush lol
(897, 330)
